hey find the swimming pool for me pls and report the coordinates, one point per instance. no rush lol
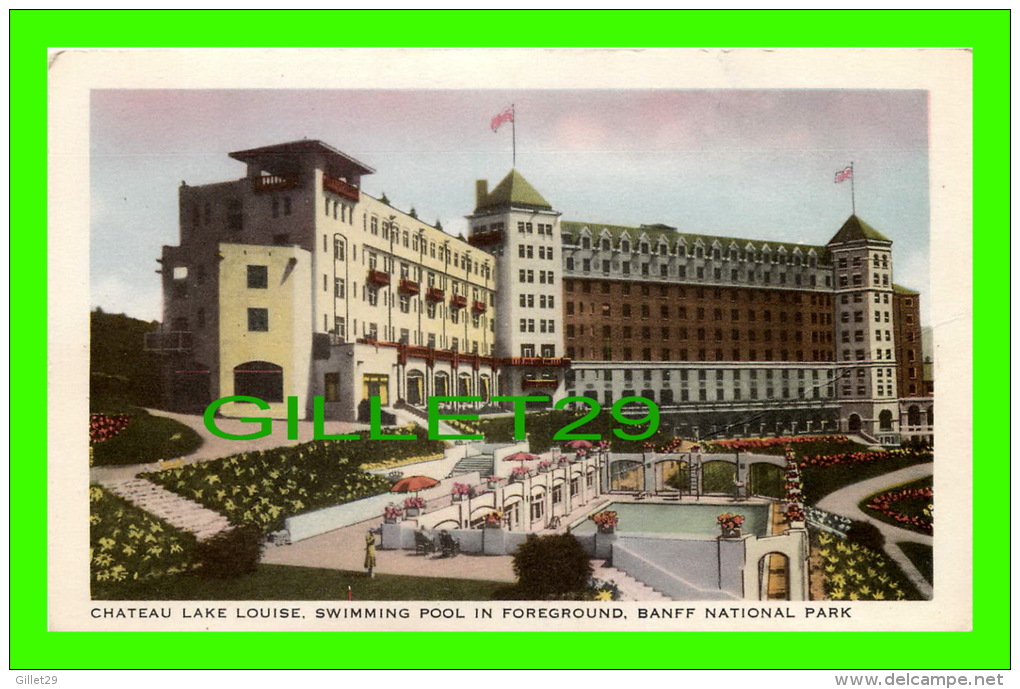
(692, 520)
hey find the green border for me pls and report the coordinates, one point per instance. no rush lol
(32, 32)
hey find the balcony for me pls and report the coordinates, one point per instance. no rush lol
(531, 383)
(486, 238)
(378, 278)
(174, 341)
(409, 287)
(478, 306)
(434, 294)
(340, 188)
(535, 361)
(268, 183)
(458, 301)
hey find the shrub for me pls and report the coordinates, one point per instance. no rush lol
(129, 544)
(866, 534)
(231, 553)
(552, 567)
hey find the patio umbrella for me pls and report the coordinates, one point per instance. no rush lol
(521, 457)
(578, 445)
(413, 484)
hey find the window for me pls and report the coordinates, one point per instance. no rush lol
(258, 277)
(258, 320)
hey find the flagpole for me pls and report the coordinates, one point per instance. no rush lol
(853, 200)
(513, 134)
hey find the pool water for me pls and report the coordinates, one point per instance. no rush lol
(691, 520)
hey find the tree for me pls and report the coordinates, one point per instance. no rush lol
(551, 567)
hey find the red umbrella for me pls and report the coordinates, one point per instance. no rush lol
(521, 457)
(578, 445)
(413, 484)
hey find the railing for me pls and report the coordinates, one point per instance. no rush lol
(174, 341)
(535, 361)
(478, 306)
(458, 301)
(434, 294)
(540, 383)
(266, 183)
(377, 277)
(409, 286)
(340, 187)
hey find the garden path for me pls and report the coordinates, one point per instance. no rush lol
(844, 501)
(183, 513)
(215, 447)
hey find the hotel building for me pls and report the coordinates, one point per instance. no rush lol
(294, 282)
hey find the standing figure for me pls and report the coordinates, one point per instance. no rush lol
(370, 553)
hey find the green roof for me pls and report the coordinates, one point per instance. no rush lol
(900, 289)
(514, 190)
(654, 232)
(855, 229)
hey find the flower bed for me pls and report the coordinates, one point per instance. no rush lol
(266, 487)
(605, 520)
(909, 507)
(823, 474)
(129, 544)
(853, 572)
(102, 427)
(800, 444)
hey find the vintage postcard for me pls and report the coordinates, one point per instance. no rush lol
(510, 340)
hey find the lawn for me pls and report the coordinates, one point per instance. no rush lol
(921, 555)
(279, 582)
(912, 507)
(145, 438)
(819, 481)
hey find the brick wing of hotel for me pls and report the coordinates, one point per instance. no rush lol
(292, 281)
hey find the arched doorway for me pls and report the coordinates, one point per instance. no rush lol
(626, 474)
(261, 379)
(442, 384)
(415, 388)
(484, 387)
(675, 475)
(766, 480)
(464, 385)
(885, 419)
(774, 577)
(718, 477)
(512, 512)
(853, 424)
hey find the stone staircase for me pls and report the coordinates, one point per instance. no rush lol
(182, 513)
(630, 588)
(483, 464)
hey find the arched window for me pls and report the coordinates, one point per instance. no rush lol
(914, 415)
(885, 420)
(260, 379)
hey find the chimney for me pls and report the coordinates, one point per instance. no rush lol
(481, 192)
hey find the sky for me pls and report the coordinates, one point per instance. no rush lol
(748, 164)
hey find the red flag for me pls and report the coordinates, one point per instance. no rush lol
(505, 116)
(844, 174)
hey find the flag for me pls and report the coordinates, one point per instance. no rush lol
(844, 174)
(505, 116)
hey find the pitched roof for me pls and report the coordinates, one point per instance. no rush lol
(655, 232)
(855, 229)
(514, 190)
